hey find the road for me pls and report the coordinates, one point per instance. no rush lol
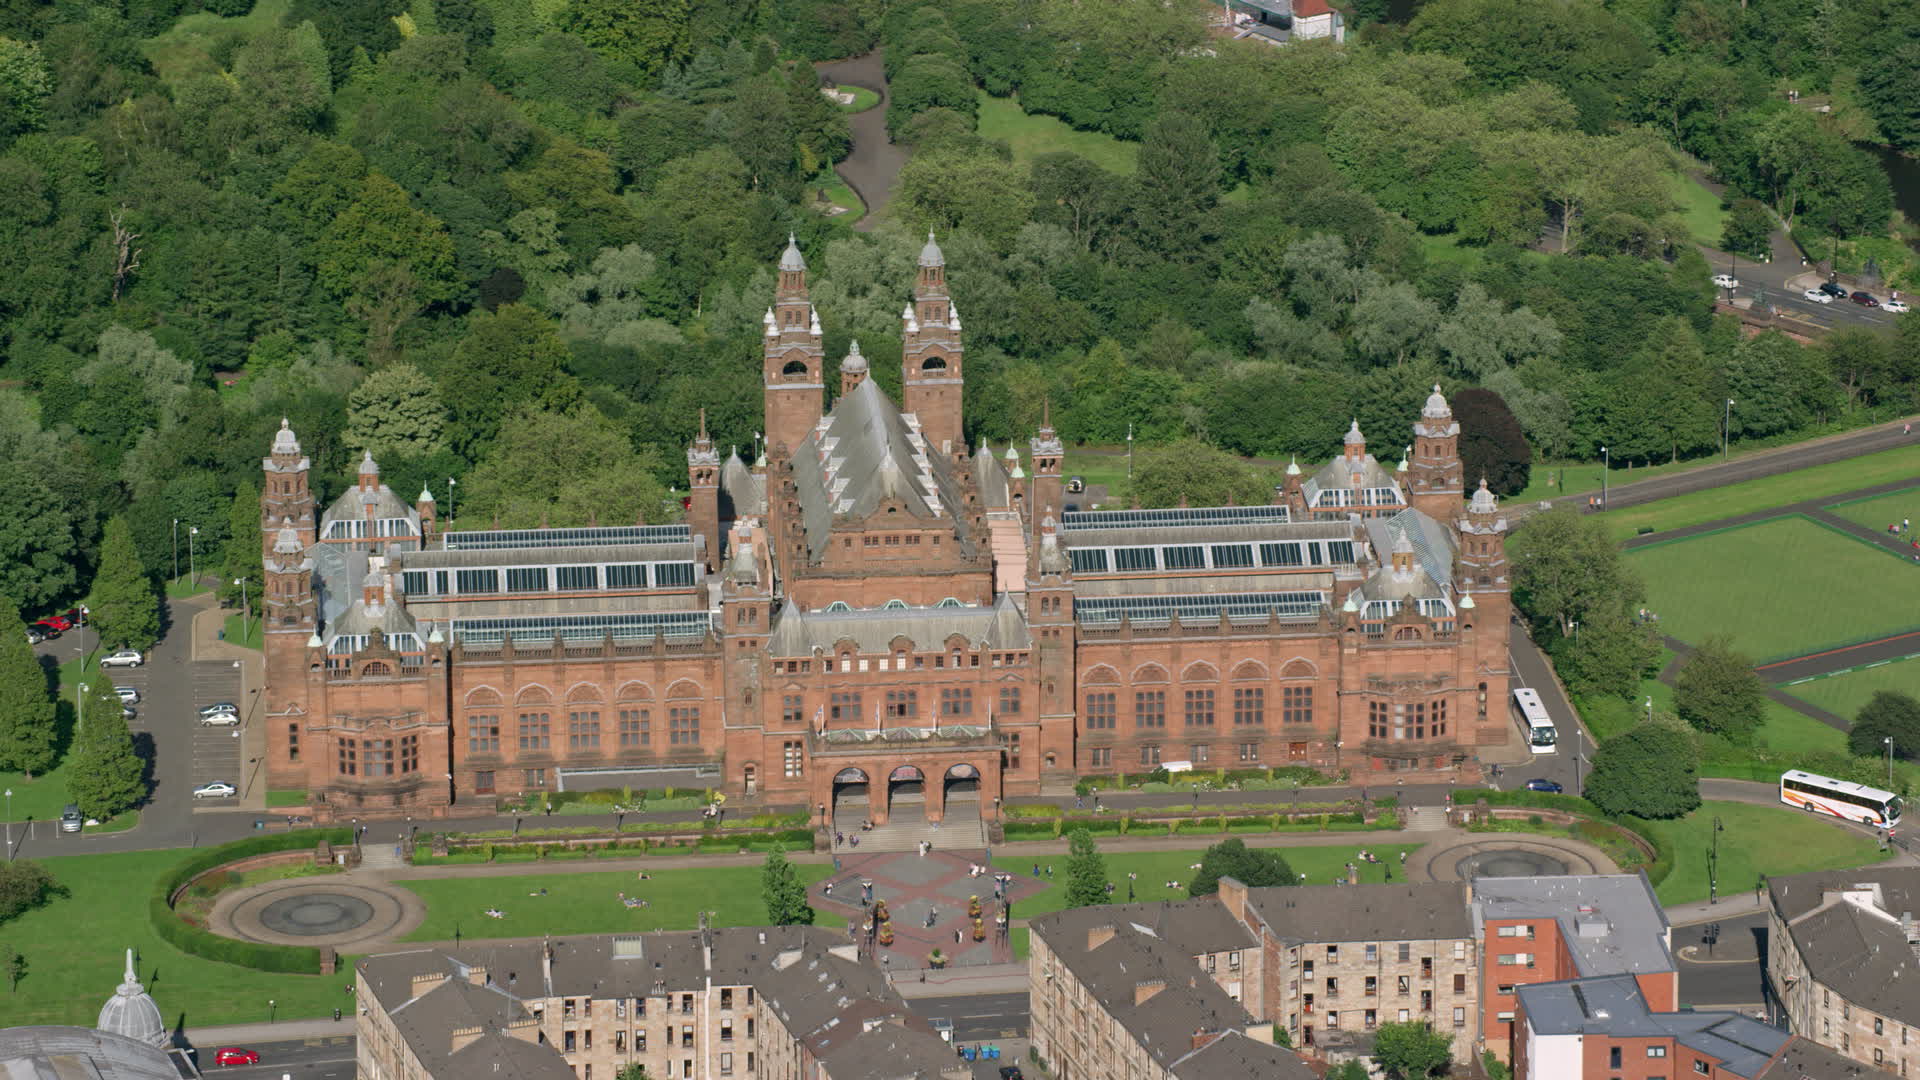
(978, 1017)
(1730, 974)
(1573, 755)
(303, 1059)
(875, 160)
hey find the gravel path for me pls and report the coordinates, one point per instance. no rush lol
(873, 166)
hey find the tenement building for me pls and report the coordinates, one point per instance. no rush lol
(873, 613)
(1841, 962)
(780, 1003)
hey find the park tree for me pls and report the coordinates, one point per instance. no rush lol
(649, 34)
(26, 705)
(783, 891)
(635, 1071)
(395, 412)
(1566, 568)
(1203, 475)
(509, 358)
(123, 605)
(108, 776)
(1748, 228)
(1887, 715)
(242, 561)
(564, 469)
(1176, 186)
(25, 86)
(1411, 1050)
(24, 885)
(1252, 867)
(1650, 772)
(1086, 871)
(1717, 691)
(380, 237)
(1492, 446)
(1611, 652)
(1891, 84)
(14, 964)
(948, 189)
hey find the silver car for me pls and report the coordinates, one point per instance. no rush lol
(218, 789)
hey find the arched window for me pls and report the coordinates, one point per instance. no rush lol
(934, 363)
(894, 605)
(794, 367)
(837, 606)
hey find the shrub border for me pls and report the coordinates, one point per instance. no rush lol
(204, 943)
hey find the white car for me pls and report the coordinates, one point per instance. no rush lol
(219, 789)
(1815, 296)
(1725, 281)
(127, 694)
(1896, 306)
(221, 719)
(123, 658)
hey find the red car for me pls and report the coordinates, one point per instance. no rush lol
(47, 628)
(59, 622)
(233, 1055)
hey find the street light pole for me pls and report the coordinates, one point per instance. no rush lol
(9, 824)
(1889, 742)
(1129, 458)
(451, 485)
(176, 551)
(192, 531)
(1726, 426)
(246, 607)
(1606, 466)
(1713, 863)
(1649, 708)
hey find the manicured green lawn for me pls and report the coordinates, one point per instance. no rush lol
(253, 630)
(1033, 135)
(837, 193)
(1108, 469)
(1779, 588)
(286, 798)
(186, 48)
(180, 589)
(43, 797)
(863, 99)
(1770, 491)
(1757, 840)
(1881, 510)
(1156, 868)
(1700, 208)
(1789, 732)
(1845, 694)
(588, 902)
(1551, 481)
(75, 952)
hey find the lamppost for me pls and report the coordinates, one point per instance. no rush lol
(1606, 465)
(246, 606)
(270, 1010)
(192, 531)
(451, 485)
(9, 824)
(1726, 426)
(1713, 863)
(176, 551)
(1649, 708)
(1889, 742)
(1129, 455)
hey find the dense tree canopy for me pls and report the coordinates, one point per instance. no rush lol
(1651, 772)
(1887, 715)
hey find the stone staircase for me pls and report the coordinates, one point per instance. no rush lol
(380, 857)
(1426, 818)
(907, 826)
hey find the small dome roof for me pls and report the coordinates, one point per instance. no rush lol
(284, 441)
(368, 467)
(1483, 500)
(1436, 408)
(854, 361)
(314, 642)
(1293, 467)
(791, 259)
(426, 496)
(1466, 602)
(931, 255)
(1404, 545)
(1353, 435)
(132, 1013)
(1351, 606)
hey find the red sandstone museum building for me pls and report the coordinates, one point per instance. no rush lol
(873, 609)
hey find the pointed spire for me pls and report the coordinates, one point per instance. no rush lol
(813, 316)
(913, 324)
(773, 328)
(953, 316)
(791, 259)
(703, 424)
(1293, 466)
(1046, 412)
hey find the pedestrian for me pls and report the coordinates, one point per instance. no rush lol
(1077, 804)
(956, 935)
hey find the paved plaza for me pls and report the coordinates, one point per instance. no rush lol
(927, 897)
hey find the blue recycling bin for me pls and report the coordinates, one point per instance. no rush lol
(968, 1053)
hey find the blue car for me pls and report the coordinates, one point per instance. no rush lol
(1544, 785)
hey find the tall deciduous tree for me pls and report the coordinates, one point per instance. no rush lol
(563, 468)
(1650, 772)
(1177, 185)
(26, 704)
(650, 34)
(395, 412)
(1491, 442)
(108, 776)
(1411, 1050)
(1887, 715)
(24, 885)
(1717, 691)
(1566, 567)
(123, 605)
(783, 892)
(381, 230)
(25, 86)
(242, 561)
(1202, 475)
(1252, 867)
(1086, 871)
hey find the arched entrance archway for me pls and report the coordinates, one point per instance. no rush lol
(962, 783)
(906, 792)
(849, 793)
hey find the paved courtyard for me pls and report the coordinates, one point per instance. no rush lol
(927, 898)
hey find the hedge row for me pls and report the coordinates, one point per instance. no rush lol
(713, 843)
(1209, 825)
(301, 960)
(1657, 870)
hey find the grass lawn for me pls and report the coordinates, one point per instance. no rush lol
(185, 49)
(1110, 470)
(1551, 481)
(1789, 732)
(587, 902)
(1751, 495)
(1845, 694)
(43, 797)
(1881, 510)
(1758, 840)
(831, 189)
(1779, 588)
(254, 629)
(181, 588)
(1033, 135)
(74, 949)
(863, 99)
(1700, 208)
(1156, 868)
(286, 798)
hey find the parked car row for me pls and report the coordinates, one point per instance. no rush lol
(54, 625)
(1829, 291)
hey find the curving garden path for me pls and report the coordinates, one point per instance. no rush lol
(875, 163)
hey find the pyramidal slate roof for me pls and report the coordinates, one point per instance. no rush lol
(865, 454)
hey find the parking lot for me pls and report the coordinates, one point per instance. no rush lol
(216, 750)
